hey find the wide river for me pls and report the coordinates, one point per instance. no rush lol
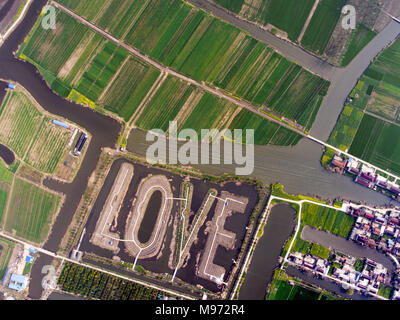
(297, 168)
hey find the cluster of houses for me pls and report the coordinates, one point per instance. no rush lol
(365, 175)
(366, 280)
(310, 262)
(376, 229)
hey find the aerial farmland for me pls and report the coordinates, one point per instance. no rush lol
(30, 132)
(315, 25)
(370, 120)
(239, 65)
(125, 174)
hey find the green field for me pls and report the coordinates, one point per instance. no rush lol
(319, 251)
(5, 174)
(377, 94)
(189, 40)
(190, 107)
(233, 6)
(264, 129)
(6, 249)
(126, 92)
(322, 24)
(301, 245)
(266, 132)
(48, 146)
(359, 39)
(19, 121)
(326, 219)
(286, 15)
(31, 211)
(6, 178)
(99, 72)
(102, 69)
(165, 104)
(31, 135)
(346, 128)
(195, 109)
(210, 112)
(27, 269)
(385, 292)
(282, 289)
(4, 192)
(376, 144)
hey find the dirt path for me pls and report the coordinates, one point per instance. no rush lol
(308, 21)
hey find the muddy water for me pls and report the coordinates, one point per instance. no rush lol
(279, 227)
(150, 217)
(297, 168)
(345, 246)
(6, 154)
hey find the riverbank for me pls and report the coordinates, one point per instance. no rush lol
(105, 132)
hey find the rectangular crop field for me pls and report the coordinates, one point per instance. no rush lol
(286, 15)
(189, 40)
(282, 289)
(359, 39)
(322, 24)
(96, 285)
(327, 219)
(89, 69)
(5, 174)
(48, 146)
(102, 69)
(4, 192)
(265, 132)
(165, 104)
(129, 88)
(30, 134)
(19, 121)
(376, 142)
(51, 49)
(31, 211)
(346, 128)
(210, 112)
